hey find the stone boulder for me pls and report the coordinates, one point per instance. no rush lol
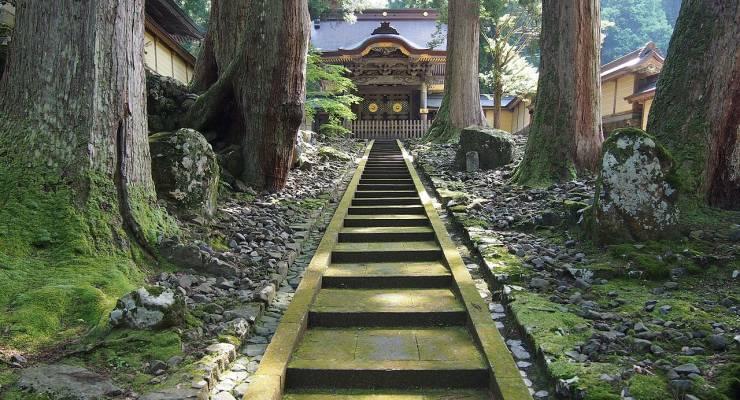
(154, 308)
(60, 381)
(495, 147)
(7, 24)
(168, 101)
(186, 172)
(636, 192)
(302, 147)
(332, 153)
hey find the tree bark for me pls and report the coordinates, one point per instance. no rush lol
(462, 90)
(76, 117)
(498, 93)
(565, 135)
(259, 98)
(227, 25)
(695, 111)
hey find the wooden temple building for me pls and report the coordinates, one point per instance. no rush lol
(628, 88)
(168, 28)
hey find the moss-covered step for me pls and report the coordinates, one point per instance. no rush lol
(364, 186)
(386, 307)
(385, 220)
(380, 201)
(386, 174)
(363, 194)
(393, 209)
(380, 252)
(387, 275)
(387, 181)
(359, 394)
(443, 357)
(386, 234)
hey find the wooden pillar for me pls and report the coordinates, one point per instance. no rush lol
(424, 111)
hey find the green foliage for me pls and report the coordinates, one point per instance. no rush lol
(509, 30)
(197, 10)
(348, 8)
(330, 91)
(436, 4)
(636, 22)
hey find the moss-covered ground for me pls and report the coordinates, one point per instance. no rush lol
(699, 266)
(65, 258)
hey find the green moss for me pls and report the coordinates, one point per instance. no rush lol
(555, 331)
(502, 262)
(725, 385)
(589, 378)
(470, 222)
(442, 130)
(548, 155)
(64, 256)
(648, 387)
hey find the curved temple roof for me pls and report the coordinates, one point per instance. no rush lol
(415, 32)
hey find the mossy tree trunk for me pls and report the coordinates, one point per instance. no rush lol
(565, 134)
(227, 24)
(73, 122)
(259, 98)
(461, 102)
(696, 111)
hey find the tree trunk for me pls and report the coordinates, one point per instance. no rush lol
(227, 25)
(498, 93)
(259, 98)
(695, 111)
(74, 120)
(462, 90)
(565, 134)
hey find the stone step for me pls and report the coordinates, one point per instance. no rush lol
(383, 252)
(387, 209)
(387, 275)
(352, 221)
(385, 187)
(386, 307)
(382, 175)
(385, 193)
(419, 394)
(379, 163)
(388, 358)
(387, 181)
(386, 234)
(382, 201)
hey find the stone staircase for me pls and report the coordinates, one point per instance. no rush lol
(386, 316)
(388, 319)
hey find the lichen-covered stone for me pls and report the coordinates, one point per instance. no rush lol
(149, 309)
(302, 146)
(636, 192)
(495, 147)
(331, 153)
(186, 172)
(168, 101)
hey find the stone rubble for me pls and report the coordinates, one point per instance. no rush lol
(501, 220)
(239, 284)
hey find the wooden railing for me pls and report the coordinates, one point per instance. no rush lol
(410, 129)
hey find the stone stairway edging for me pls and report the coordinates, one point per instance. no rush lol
(506, 380)
(269, 380)
(220, 355)
(494, 281)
